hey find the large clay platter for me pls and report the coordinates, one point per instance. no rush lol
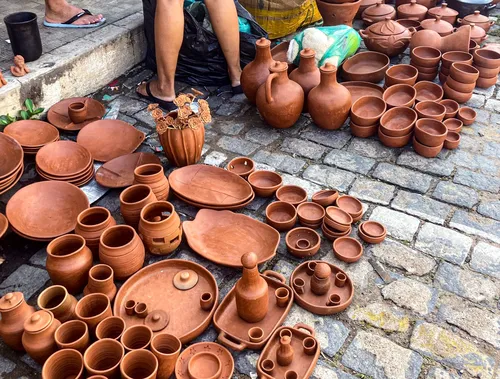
(46, 210)
(233, 331)
(119, 172)
(225, 358)
(215, 207)
(224, 237)
(153, 285)
(359, 89)
(58, 113)
(4, 224)
(32, 133)
(5, 187)
(11, 155)
(63, 159)
(210, 185)
(109, 139)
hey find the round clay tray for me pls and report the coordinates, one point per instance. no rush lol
(11, 155)
(5, 187)
(46, 210)
(4, 224)
(58, 113)
(359, 89)
(216, 207)
(63, 159)
(154, 283)
(32, 133)
(317, 304)
(225, 358)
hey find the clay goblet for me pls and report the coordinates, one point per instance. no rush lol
(166, 348)
(77, 112)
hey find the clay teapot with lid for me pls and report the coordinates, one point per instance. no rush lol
(412, 11)
(378, 12)
(307, 74)
(38, 337)
(478, 20)
(387, 37)
(14, 311)
(256, 72)
(477, 33)
(447, 14)
(443, 28)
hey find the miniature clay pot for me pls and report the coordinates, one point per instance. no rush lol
(426, 56)
(367, 110)
(280, 100)
(256, 72)
(338, 14)
(111, 327)
(412, 11)
(265, 183)
(307, 74)
(428, 91)
(320, 279)
(282, 296)
(310, 213)
(459, 86)
(426, 151)
(77, 112)
(363, 131)
(92, 309)
(378, 12)
(459, 97)
(445, 12)
(454, 125)
(325, 198)
(329, 102)
(455, 56)
(68, 262)
(91, 223)
(57, 300)
(338, 219)
(15, 311)
(477, 19)
(302, 242)
(430, 109)
(284, 353)
(430, 132)
(387, 37)
(38, 337)
(101, 280)
(73, 334)
(63, 364)
(103, 358)
(121, 248)
(464, 73)
(166, 348)
(132, 200)
(442, 27)
(477, 33)
(467, 115)
(139, 364)
(281, 215)
(347, 249)
(391, 141)
(241, 166)
(457, 41)
(368, 66)
(401, 74)
(452, 140)
(400, 95)
(451, 108)
(487, 58)
(152, 175)
(292, 194)
(137, 337)
(486, 82)
(398, 121)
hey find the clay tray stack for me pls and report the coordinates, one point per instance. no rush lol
(11, 162)
(32, 135)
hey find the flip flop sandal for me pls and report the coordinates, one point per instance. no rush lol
(236, 90)
(166, 105)
(69, 23)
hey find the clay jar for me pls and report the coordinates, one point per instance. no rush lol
(320, 280)
(91, 223)
(38, 337)
(121, 248)
(477, 33)
(412, 11)
(14, 311)
(67, 363)
(92, 309)
(166, 348)
(307, 74)
(101, 281)
(329, 103)
(57, 300)
(68, 262)
(132, 200)
(387, 37)
(152, 175)
(280, 100)
(378, 12)
(251, 291)
(160, 228)
(256, 72)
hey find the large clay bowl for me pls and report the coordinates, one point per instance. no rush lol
(428, 91)
(451, 108)
(486, 82)
(265, 183)
(455, 56)
(467, 115)
(367, 110)
(398, 121)
(303, 242)
(310, 213)
(426, 151)
(430, 109)
(281, 215)
(241, 166)
(363, 131)
(11, 156)
(400, 95)
(459, 97)
(32, 133)
(464, 73)
(291, 194)
(430, 132)
(390, 141)
(426, 56)
(453, 125)
(487, 58)
(485, 72)
(359, 89)
(325, 198)
(401, 74)
(452, 140)
(459, 86)
(369, 66)
(347, 249)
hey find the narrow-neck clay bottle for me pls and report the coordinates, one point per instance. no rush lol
(307, 74)
(284, 354)
(256, 72)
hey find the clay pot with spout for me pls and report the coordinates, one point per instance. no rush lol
(132, 200)
(14, 311)
(91, 223)
(256, 72)
(338, 14)
(101, 280)
(329, 102)
(307, 74)
(387, 37)
(57, 300)
(38, 337)
(457, 41)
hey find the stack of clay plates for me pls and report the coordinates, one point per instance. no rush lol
(65, 161)
(32, 135)
(11, 162)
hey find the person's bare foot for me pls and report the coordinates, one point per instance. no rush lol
(60, 11)
(155, 91)
(235, 78)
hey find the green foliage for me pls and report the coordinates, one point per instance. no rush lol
(24, 114)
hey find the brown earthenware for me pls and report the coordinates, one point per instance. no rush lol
(103, 358)
(136, 337)
(77, 111)
(413, 11)
(442, 27)
(486, 82)
(487, 73)
(32, 134)
(367, 110)
(350, 204)
(477, 33)
(378, 12)
(303, 242)
(428, 91)
(359, 89)
(409, 23)
(291, 194)
(347, 249)
(391, 141)
(477, 19)
(473, 46)
(387, 37)
(459, 97)
(459, 86)
(430, 109)
(281, 215)
(363, 131)
(452, 140)
(451, 108)
(332, 234)
(204, 360)
(92, 309)
(265, 183)
(401, 74)
(38, 337)
(166, 348)
(307, 74)
(372, 232)
(338, 219)
(464, 73)
(457, 41)
(63, 364)
(152, 174)
(445, 12)
(442, 80)
(398, 121)
(455, 56)
(91, 223)
(57, 300)
(364, 4)
(4, 224)
(15, 311)
(63, 159)
(430, 132)
(467, 115)
(132, 200)
(400, 95)
(310, 213)
(58, 114)
(73, 334)
(325, 197)
(487, 58)
(139, 364)
(453, 124)
(338, 14)
(256, 72)
(101, 278)
(241, 166)
(426, 151)
(111, 327)
(369, 66)
(426, 56)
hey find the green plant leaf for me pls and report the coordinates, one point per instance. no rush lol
(10, 118)
(29, 105)
(38, 110)
(24, 115)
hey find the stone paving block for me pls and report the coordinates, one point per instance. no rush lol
(421, 206)
(372, 149)
(362, 274)
(132, 121)
(6, 366)
(476, 101)
(237, 145)
(483, 116)
(403, 177)
(310, 187)
(281, 162)
(262, 135)
(336, 140)
(457, 194)
(245, 363)
(399, 225)
(146, 118)
(39, 258)
(228, 109)
(428, 165)
(323, 371)
(474, 162)
(381, 315)
(439, 373)
(381, 358)
(349, 161)
(411, 294)
(490, 209)
(492, 105)
(372, 191)
(331, 177)
(477, 180)
(492, 149)
(230, 127)
(129, 106)
(215, 158)
(474, 224)
(26, 279)
(443, 243)
(486, 259)
(450, 349)
(471, 143)
(303, 148)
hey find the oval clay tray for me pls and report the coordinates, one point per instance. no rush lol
(359, 89)
(11, 156)
(32, 133)
(225, 357)
(154, 286)
(63, 159)
(224, 237)
(58, 113)
(215, 207)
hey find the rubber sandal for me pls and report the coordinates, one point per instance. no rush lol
(69, 23)
(166, 105)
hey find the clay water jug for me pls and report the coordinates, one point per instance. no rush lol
(320, 281)
(251, 291)
(284, 354)
(307, 74)
(329, 103)
(256, 72)
(14, 311)
(38, 337)
(280, 100)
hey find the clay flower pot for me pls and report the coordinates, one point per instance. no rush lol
(103, 358)
(302, 242)
(453, 125)
(137, 337)
(265, 183)
(367, 110)
(398, 121)
(487, 58)
(401, 74)
(338, 219)
(452, 140)
(400, 95)
(63, 364)
(92, 309)
(73, 334)
(281, 215)
(455, 56)
(139, 364)
(57, 300)
(132, 200)
(426, 151)
(38, 337)
(111, 327)
(68, 262)
(368, 66)
(325, 198)
(166, 348)
(256, 72)
(307, 74)
(152, 175)
(347, 249)
(15, 311)
(391, 141)
(430, 132)
(241, 166)
(428, 91)
(91, 223)
(467, 115)
(338, 14)
(430, 109)
(363, 131)
(101, 281)
(310, 213)
(451, 108)
(413, 11)
(426, 56)
(464, 73)
(291, 194)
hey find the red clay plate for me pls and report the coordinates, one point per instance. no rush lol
(58, 113)
(63, 159)
(32, 133)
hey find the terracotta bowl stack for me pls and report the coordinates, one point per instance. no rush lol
(365, 115)
(461, 82)
(372, 232)
(32, 135)
(401, 74)
(426, 60)
(368, 66)
(11, 162)
(336, 224)
(396, 126)
(451, 57)
(429, 137)
(487, 62)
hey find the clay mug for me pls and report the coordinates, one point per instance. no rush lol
(57, 300)
(132, 200)
(137, 337)
(299, 285)
(14, 311)
(38, 337)
(340, 279)
(111, 327)
(139, 364)
(101, 281)
(255, 334)
(63, 364)
(92, 309)
(73, 334)
(207, 301)
(282, 296)
(77, 112)
(204, 365)
(152, 175)
(91, 223)
(166, 348)
(103, 358)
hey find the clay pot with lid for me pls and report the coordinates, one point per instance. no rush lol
(57, 300)
(477, 33)
(365, 4)
(378, 12)
(477, 19)
(329, 102)
(413, 11)
(387, 37)
(101, 280)
(307, 74)
(38, 337)
(132, 200)
(320, 280)
(443, 28)
(69, 261)
(445, 12)
(91, 223)
(338, 14)
(14, 311)
(63, 364)
(152, 175)
(256, 72)
(280, 100)
(426, 3)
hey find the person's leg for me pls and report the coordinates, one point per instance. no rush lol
(59, 11)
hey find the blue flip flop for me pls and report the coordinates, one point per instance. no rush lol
(69, 23)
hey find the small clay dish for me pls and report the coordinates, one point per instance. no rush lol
(487, 58)
(426, 56)
(455, 56)
(453, 125)
(426, 151)
(310, 212)
(430, 109)
(325, 198)
(459, 97)
(302, 242)
(373, 229)
(368, 66)
(467, 115)
(347, 249)
(464, 73)
(241, 166)
(367, 110)
(486, 82)
(333, 234)
(281, 215)
(338, 219)
(390, 141)
(368, 239)
(451, 108)
(401, 74)
(452, 140)
(292, 194)
(363, 131)
(400, 95)
(409, 23)
(428, 91)
(265, 183)
(398, 121)
(430, 132)
(459, 86)
(350, 204)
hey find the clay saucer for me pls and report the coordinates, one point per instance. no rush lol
(77, 181)
(452, 140)
(428, 91)
(338, 219)
(426, 151)
(32, 133)
(11, 156)
(430, 109)
(367, 110)
(204, 359)
(350, 205)
(46, 210)
(11, 183)
(451, 108)
(332, 234)
(453, 125)
(119, 172)
(400, 95)
(325, 197)
(4, 224)
(224, 237)
(291, 194)
(217, 207)
(369, 66)
(302, 242)
(63, 159)
(347, 249)
(241, 166)
(430, 132)
(310, 213)
(58, 113)
(360, 88)
(467, 115)
(265, 183)
(281, 215)
(398, 121)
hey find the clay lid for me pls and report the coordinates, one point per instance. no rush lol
(157, 320)
(11, 300)
(476, 17)
(328, 68)
(185, 279)
(413, 8)
(263, 42)
(38, 321)
(387, 27)
(476, 31)
(380, 9)
(278, 67)
(322, 270)
(307, 53)
(444, 10)
(249, 260)
(437, 25)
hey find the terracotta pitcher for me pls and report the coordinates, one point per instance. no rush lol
(57, 300)
(38, 337)
(280, 100)
(307, 74)
(256, 72)
(251, 291)
(152, 174)
(329, 103)
(101, 280)
(14, 311)
(91, 223)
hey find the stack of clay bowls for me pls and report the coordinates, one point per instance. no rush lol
(337, 223)
(372, 232)
(426, 60)
(11, 162)
(461, 82)
(429, 137)
(365, 115)
(396, 126)
(32, 135)
(487, 62)
(451, 57)
(401, 74)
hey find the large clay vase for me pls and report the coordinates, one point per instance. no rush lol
(338, 14)
(91, 223)
(57, 300)
(166, 348)
(152, 175)
(280, 100)
(132, 200)
(92, 309)
(101, 280)
(307, 74)
(457, 41)
(121, 248)
(64, 364)
(284, 354)
(68, 262)
(329, 102)
(38, 337)
(14, 311)
(256, 72)
(251, 291)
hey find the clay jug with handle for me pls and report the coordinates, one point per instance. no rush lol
(307, 74)
(256, 72)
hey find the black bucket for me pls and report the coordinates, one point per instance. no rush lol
(24, 35)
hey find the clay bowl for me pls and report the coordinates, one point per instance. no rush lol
(302, 242)
(484, 72)
(426, 151)
(459, 97)
(390, 141)
(459, 86)
(401, 74)
(338, 219)
(367, 110)
(428, 91)
(430, 132)
(241, 166)
(442, 79)
(452, 140)
(398, 121)
(372, 231)
(451, 108)
(291, 194)
(487, 58)
(368, 66)
(347, 249)
(333, 234)
(453, 125)
(426, 56)
(445, 71)
(400, 95)
(430, 109)
(325, 198)
(410, 23)
(467, 115)
(486, 82)
(265, 183)
(427, 77)
(455, 56)
(350, 205)
(464, 73)
(363, 131)
(424, 70)
(310, 213)
(281, 215)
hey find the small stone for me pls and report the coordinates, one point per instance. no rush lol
(348, 161)
(372, 149)
(129, 106)
(237, 145)
(262, 135)
(323, 371)
(428, 165)
(331, 177)
(335, 140)
(421, 206)
(439, 373)
(230, 127)
(456, 194)
(475, 162)
(6, 366)
(398, 225)
(381, 316)
(492, 149)
(476, 101)
(490, 209)
(310, 187)
(26, 279)
(486, 259)
(215, 158)
(39, 258)
(229, 108)
(477, 181)
(280, 162)
(474, 224)
(403, 177)
(303, 148)
(411, 294)
(245, 363)
(372, 191)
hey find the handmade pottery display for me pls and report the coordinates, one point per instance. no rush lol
(139, 364)
(372, 232)
(32, 135)
(338, 14)
(92, 309)
(281, 215)
(378, 12)
(67, 363)
(265, 183)
(38, 337)
(398, 121)
(152, 175)
(401, 74)
(132, 200)
(291, 194)
(445, 12)
(256, 72)
(367, 110)
(59, 302)
(359, 89)
(310, 213)
(73, 334)
(338, 219)
(459, 86)
(204, 360)
(400, 95)
(451, 108)
(457, 41)
(320, 280)
(217, 207)
(477, 34)
(461, 82)
(430, 109)
(487, 62)
(307, 74)
(103, 357)
(369, 66)
(347, 249)
(14, 311)
(58, 114)
(101, 281)
(166, 348)
(302, 242)
(426, 60)
(477, 19)
(412, 11)
(428, 91)
(452, 140)
(325, 197)
(241, 166)
(111, 327)
(91, 223)
(467, 115)
(443, 28)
